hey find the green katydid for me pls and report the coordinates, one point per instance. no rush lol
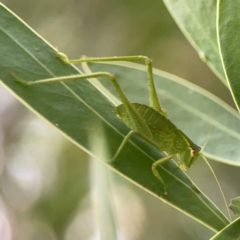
(149, 123)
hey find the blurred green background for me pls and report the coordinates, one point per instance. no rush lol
(50, 189)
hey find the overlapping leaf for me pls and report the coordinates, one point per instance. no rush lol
(229, 34)
(197, 20)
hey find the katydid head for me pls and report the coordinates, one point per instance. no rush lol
(195, 152)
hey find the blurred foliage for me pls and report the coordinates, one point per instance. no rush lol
(59, 205)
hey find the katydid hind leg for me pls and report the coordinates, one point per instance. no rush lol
(153, 97)
(136, 121)
(154, 100)
(142, 130)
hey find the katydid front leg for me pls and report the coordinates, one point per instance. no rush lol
(127, 138)
(155, 171)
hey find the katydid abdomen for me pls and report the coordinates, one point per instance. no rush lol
(164, 133)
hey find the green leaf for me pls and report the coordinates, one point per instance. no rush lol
(229, 33)
(235, 206)
(197, 20)
(231, 232)
(77, 108)
(198, 113)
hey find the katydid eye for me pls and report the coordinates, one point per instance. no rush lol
(193, 152)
